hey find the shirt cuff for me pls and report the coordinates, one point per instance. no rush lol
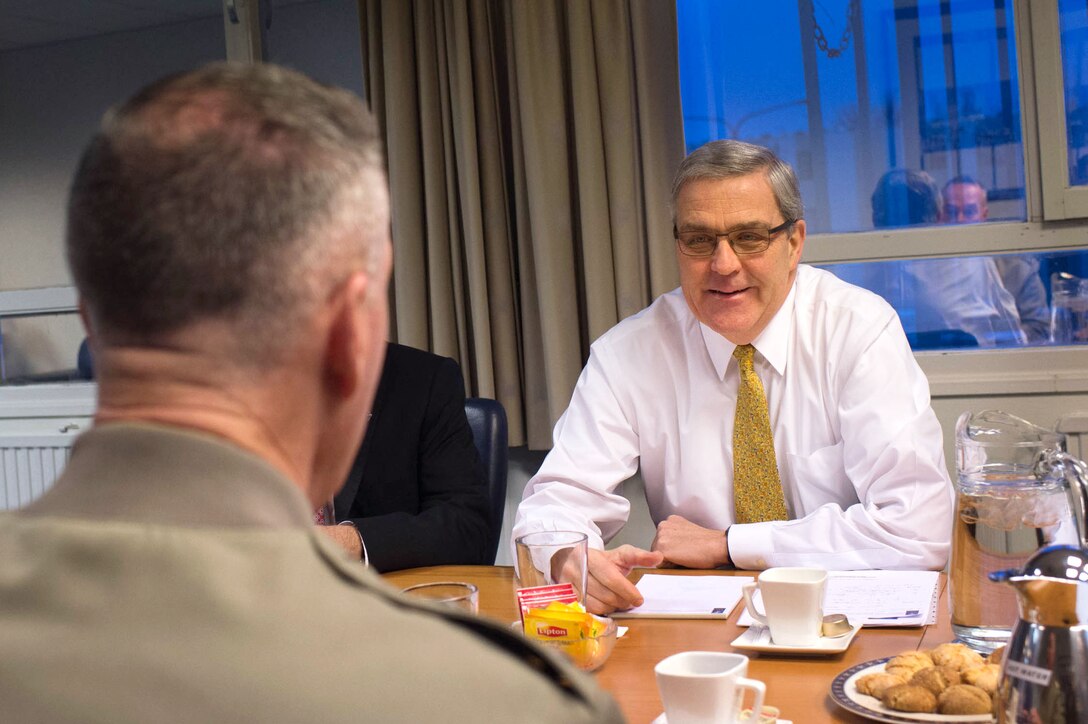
(750, 545)
(362, 543)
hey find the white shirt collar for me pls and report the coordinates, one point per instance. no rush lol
(772, 343)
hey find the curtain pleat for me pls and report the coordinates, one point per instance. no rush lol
(556, 304)
(530, 147)
(657, 82)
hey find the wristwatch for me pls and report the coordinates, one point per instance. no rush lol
(362, 544)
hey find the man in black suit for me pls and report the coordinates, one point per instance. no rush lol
(417, 492)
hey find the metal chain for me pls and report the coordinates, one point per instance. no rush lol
(844, 41)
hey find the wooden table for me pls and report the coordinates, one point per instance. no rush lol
(798, 686)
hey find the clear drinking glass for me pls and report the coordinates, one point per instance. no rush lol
(548, 557)
(1068, 309)
(456, 594)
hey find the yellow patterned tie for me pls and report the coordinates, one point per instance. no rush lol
(757, 490)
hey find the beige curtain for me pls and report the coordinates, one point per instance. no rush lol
(530, 149)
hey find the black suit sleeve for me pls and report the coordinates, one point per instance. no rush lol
(445, 519)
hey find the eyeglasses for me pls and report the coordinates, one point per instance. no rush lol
(752, 240)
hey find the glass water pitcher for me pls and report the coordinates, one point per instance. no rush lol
(1014, 489)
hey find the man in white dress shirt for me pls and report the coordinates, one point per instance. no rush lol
(858, 448)
(965, 202)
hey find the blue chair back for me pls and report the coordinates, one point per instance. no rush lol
(84, 361)
(487, 418)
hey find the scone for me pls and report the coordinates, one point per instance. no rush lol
(936, 678)
(964, 699)
(957, 655)
(908, 662)
(985, 677)
(877, 683)
(907, 697)
(996, 655)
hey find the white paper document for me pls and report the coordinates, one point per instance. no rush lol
(877, 598)
(686, 596)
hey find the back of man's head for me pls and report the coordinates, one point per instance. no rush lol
(724, 159)
(905, 197)
(234, 193)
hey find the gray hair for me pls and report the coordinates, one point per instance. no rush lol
(730, 159)
(235, 192)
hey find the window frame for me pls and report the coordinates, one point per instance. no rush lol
(1055, 213)
(1060, 224)
(1059, 199)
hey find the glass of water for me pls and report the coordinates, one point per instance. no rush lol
(455, 594)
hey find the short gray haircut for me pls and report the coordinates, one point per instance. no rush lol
(235, 192)
(730, 159)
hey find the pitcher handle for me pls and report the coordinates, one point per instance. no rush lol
(1075, 473)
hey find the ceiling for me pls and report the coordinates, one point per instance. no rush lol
(42, 22)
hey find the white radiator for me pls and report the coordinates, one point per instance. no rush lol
(40, 421)
(38, 424)
(29, 464)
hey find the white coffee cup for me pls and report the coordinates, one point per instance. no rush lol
(705, 687)
(794, 602)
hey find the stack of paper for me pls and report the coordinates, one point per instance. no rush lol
(878, 598)
(870, 598)
(687, 596)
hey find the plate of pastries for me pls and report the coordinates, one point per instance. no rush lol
(949, 683)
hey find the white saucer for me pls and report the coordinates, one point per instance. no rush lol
(758, 638)
(662, 720)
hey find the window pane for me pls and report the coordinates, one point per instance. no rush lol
(1008, 300)
(41, 348)
(1074, 28)
(847, 91)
